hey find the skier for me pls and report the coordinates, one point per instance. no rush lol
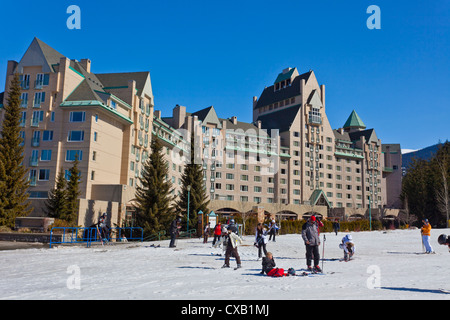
(426, 233)
(232, 240)
(104, 230)
(233, 227)
(336, 226)
(348, 246)
(174, 230)
(261, 240)
(273, 227)
(310, 235)
(444, 240)
(217, 233)
(206, 232)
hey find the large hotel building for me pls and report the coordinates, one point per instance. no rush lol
(288, 161)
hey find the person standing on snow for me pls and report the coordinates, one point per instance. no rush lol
(174, 230)
(217, 233)
(310, 235)
(261, 240)
(273, 227)
(426, 233)
(336, 226)
(232, 240)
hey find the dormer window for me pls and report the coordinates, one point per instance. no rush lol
(113, 104)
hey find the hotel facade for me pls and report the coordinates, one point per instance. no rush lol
(287, 162)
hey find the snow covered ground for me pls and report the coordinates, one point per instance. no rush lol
(387, 265)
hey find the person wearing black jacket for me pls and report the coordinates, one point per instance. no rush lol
(174, 230)
(268, 263)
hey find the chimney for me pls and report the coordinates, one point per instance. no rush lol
(179, 115)
(258, 124)
(234, 119)
(157, 114)
(86, 64)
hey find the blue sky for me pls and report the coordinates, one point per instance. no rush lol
(222, 53)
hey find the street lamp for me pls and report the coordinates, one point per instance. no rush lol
(189, 194)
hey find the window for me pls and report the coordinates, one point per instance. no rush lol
(39, 97)
(24, 99)
(77, 116)
(76, 135)
(24, 81)
(113, 104)
(95, 136)
(47, 135)
(46, 155)
(72, 154)
(41, 80)
(52, 116)
(44, 174)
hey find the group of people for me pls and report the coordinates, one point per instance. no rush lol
(230, 240)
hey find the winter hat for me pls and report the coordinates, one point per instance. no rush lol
(349, 237)
(313, 218)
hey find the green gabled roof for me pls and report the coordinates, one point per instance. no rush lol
(315, 196)
(283, 76)
(354, 121)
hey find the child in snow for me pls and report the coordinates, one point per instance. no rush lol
(232, 240)
(269, 267)
(348, 246)
(261, 239)
(444, 240)
(426, 233)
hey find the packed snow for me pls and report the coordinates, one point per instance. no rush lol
(387, 265)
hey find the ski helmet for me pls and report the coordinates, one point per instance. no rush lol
(291, 271)
(442, 239)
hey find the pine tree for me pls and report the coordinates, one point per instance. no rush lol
(154, 211)
(56, 204)
(13, 175)
(198, 199)
(72, 192)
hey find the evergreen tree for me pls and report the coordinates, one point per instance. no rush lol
(72, 193)
(198, 199)
(423, 187)
(154, 211)
(13, 175)
(56, 204)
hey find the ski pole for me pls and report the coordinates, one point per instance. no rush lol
(323, 250)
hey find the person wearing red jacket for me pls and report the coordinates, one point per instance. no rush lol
(217, 233)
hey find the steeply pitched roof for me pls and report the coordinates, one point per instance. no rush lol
(369, 135)
(208, 115)
(40, 53)
(354, 121)
(281, 119)
(111, 80)
(269, 96)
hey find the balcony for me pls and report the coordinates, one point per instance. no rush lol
(35, 142)
(35, 123)
(34, 162)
